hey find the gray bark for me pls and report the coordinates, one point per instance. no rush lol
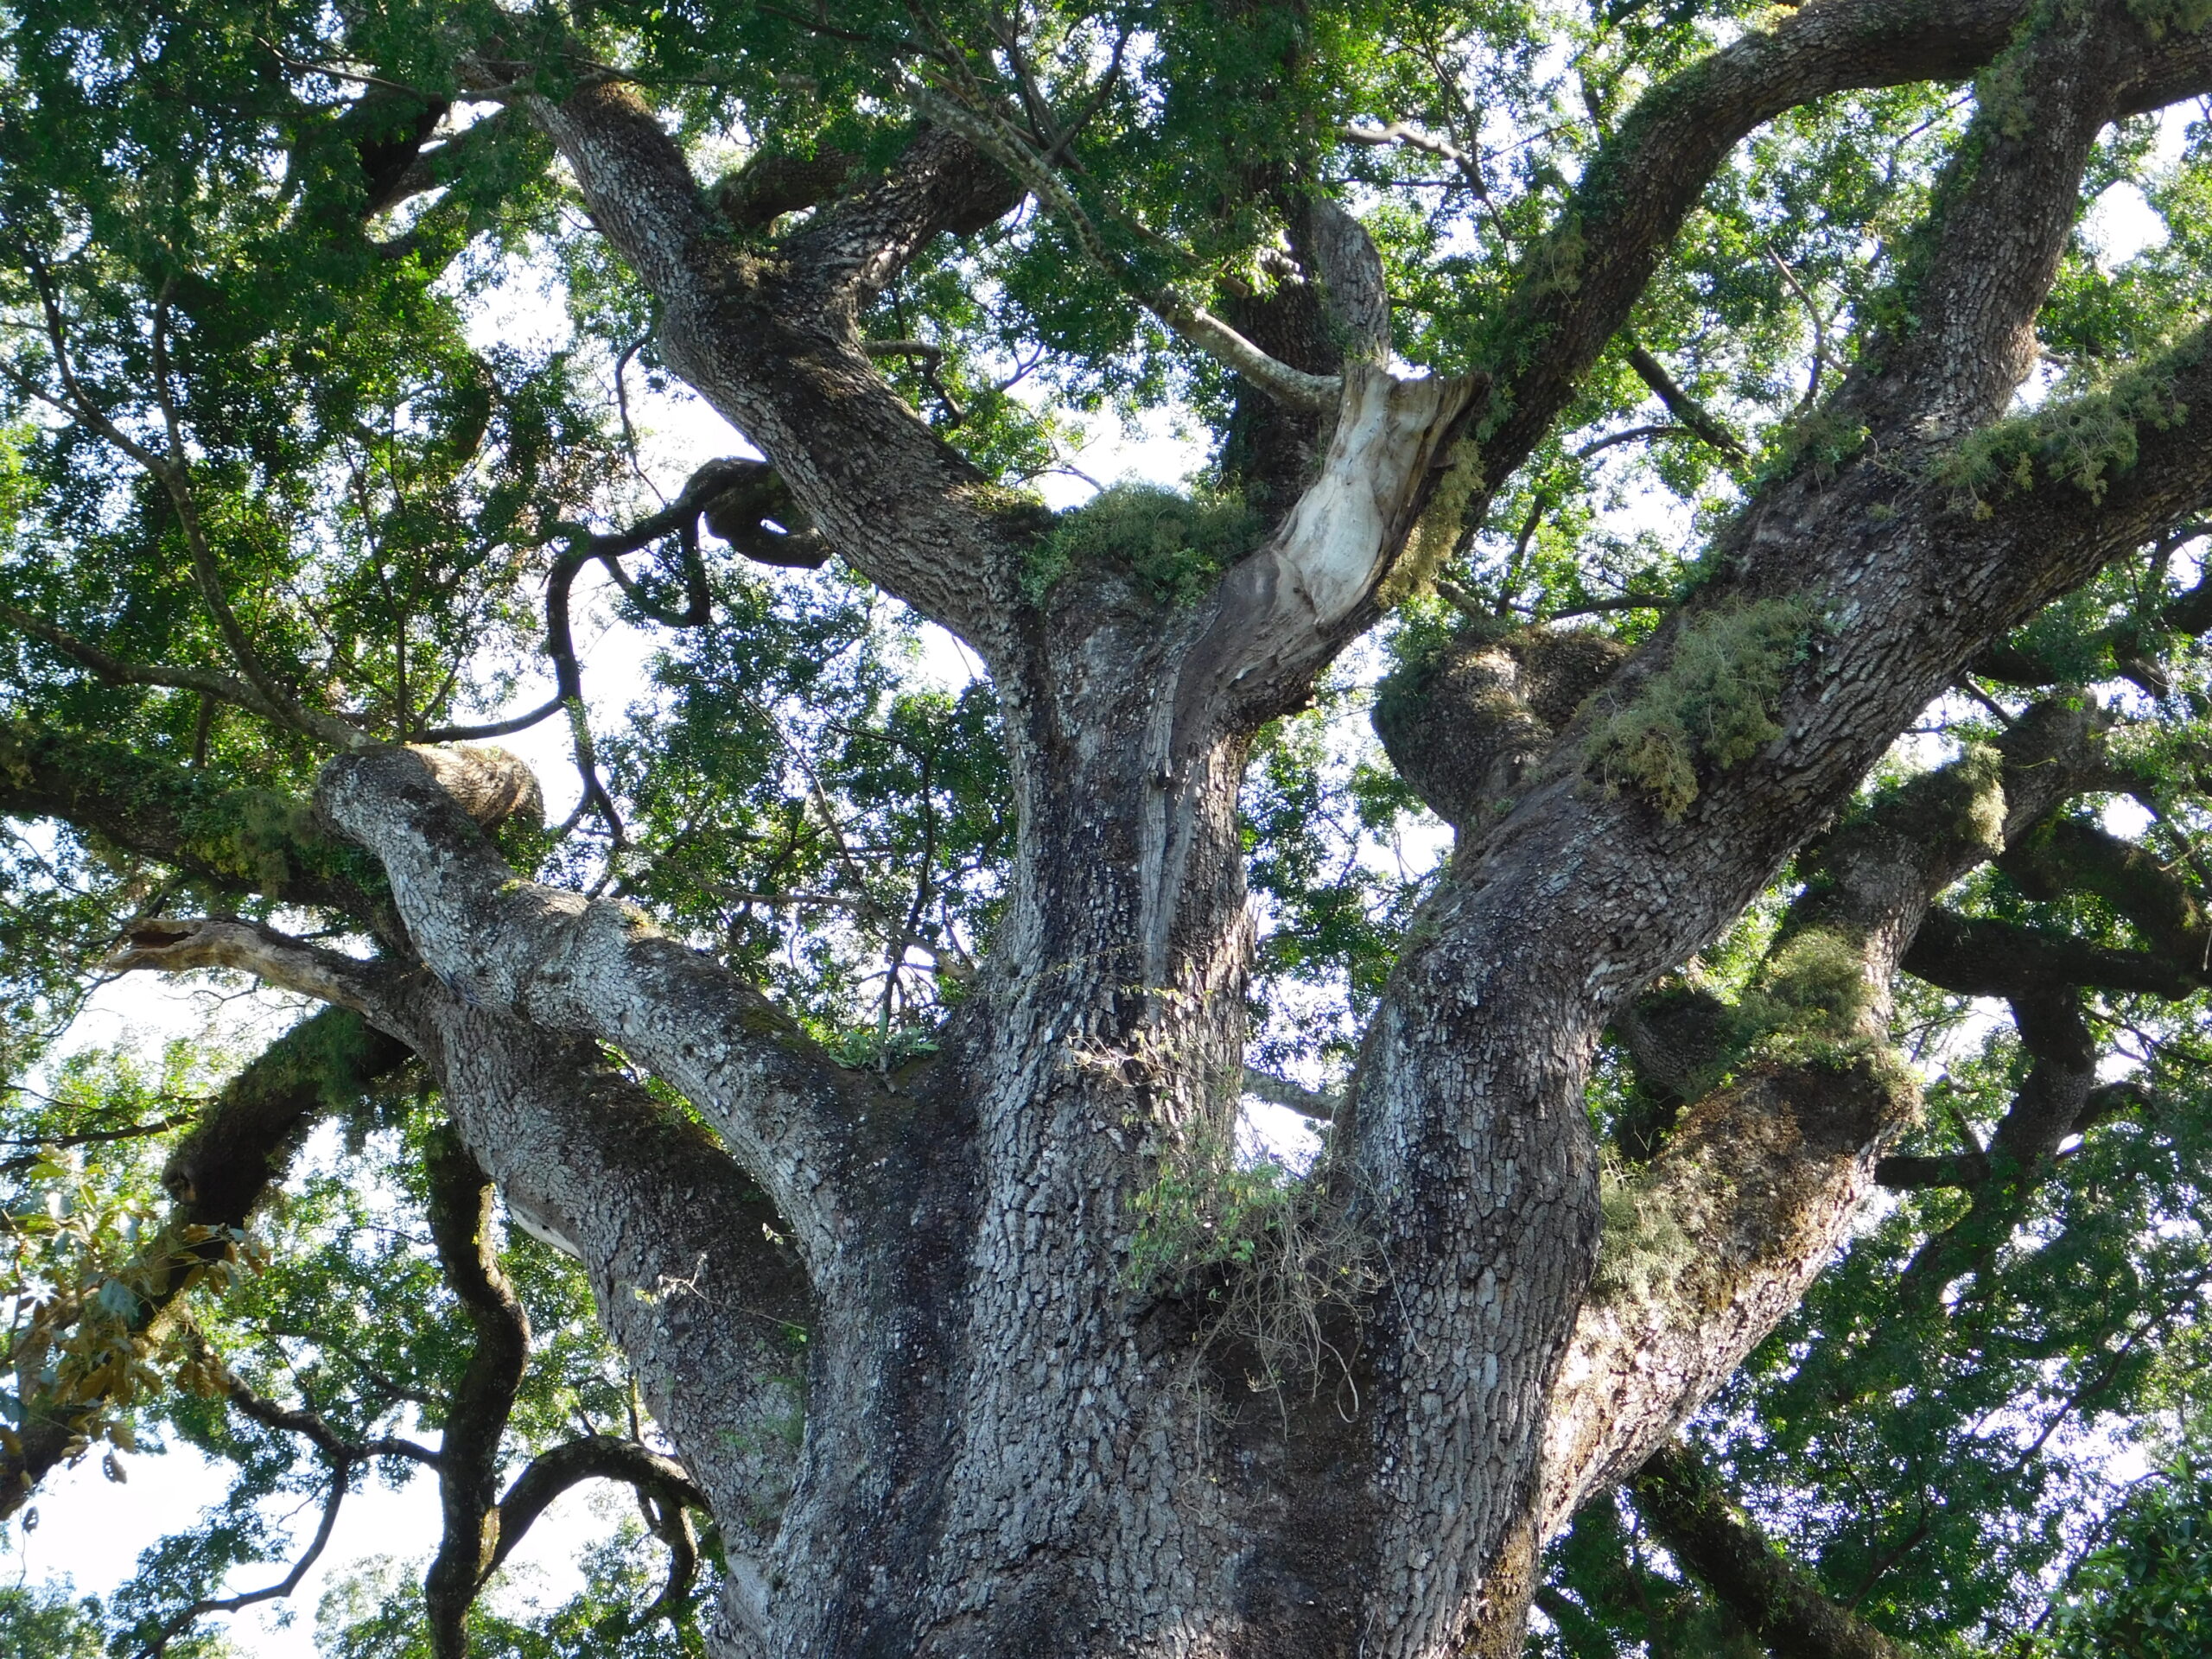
(1012, 1446)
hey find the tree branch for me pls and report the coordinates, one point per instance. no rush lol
(1781, 1604)
(310, 1426)
(209, 682)
(777, 352)
(216, 1176)
(598, 1456)
(1979, 956)
(1685, 408)
(1762, 1178)
(2068, 855)
(147, 806)
(369, 988)
(1192, 322)
(596, 967)
(341, 1473)
(1282, 1091)
(689, 1260)
(460, 1211)
(1576, 288)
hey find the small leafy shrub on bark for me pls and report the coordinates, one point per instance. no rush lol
(2081, 442)
(1714, 704)
(1269, 1251)
(1171, 545)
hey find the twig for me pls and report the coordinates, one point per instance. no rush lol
(1685, 408)
(340, 1472)
(1006, 144)
(1819, 331)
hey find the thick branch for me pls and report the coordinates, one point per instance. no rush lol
(852, 252)
(770, 185)
(687, 1258)
(1980, 956)
(772, 345)
(230, 840)
(2068, 856)
(1718, 1236)
(1678, 1497)
(1282, 1091)
(1578, 287)
(2052, 1099)
(597, 968)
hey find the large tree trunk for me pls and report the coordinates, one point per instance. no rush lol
(1034, 1421)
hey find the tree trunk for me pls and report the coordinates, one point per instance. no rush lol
(1069, 1384)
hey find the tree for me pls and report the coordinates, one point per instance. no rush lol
(869, 1057)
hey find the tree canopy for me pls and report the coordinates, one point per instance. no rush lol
(1674, 320)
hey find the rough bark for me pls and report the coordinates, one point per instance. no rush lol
(1021, 1432)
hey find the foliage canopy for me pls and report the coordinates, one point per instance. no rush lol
(326, 420)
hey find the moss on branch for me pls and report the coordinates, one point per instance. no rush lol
(1713, 705)
(2082, 444)
(1170, 545)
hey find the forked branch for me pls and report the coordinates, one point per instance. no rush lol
(597, 968)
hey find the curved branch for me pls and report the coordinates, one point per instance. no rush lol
(1577, 288)
(310, 1427)
(597, 967)
(689, 1260)
(2067, 856)
(850, 253)
(597, 1457)
(459, 1213)
(506, 727)
(777, 352)
(341, 1473)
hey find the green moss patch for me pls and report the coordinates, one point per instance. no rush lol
(1713, 704)
(1170, 545)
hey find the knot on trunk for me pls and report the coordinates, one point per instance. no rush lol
(748, 504)
(488, 784)
(770, 185)
(1462, 723)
